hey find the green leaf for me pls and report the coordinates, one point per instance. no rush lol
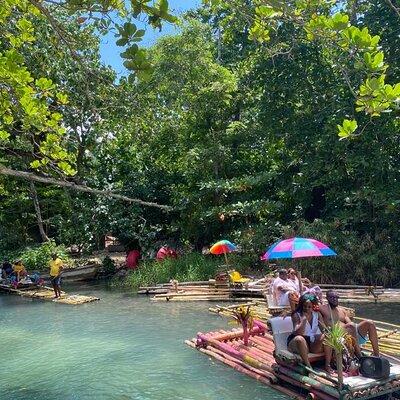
(121, 42)
(8, 119)
(62, 98)
(339, 21)
(35, 164)
(163, 5)
(44, 84)
(139, 33)
(4, 135)
(347, 128)
(129, 29)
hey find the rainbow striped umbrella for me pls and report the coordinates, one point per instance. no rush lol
(223, 247)
(298, 247)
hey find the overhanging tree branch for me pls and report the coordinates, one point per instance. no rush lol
(81, 188)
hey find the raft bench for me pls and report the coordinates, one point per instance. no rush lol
(281, 328)
(355, 387)
(273, 308)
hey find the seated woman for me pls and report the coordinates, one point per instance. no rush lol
(307, 336)
(19, 270)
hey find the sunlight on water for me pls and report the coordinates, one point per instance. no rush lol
(122, 347)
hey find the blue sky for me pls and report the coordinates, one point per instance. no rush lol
(110, 51)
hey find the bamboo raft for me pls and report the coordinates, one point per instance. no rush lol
(191, 291)
(213, 290)
(46, 293)
(389, 334)
(257, 360)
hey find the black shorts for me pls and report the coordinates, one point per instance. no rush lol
(56, 280)
(292, 336)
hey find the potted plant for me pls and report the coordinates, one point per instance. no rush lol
(244, 316)
(336, 338)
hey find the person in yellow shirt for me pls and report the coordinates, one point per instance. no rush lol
(56, 267)
(19, 270)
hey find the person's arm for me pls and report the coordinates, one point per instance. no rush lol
(299, 324)
(283, 288)
(346, 318)
(321, 323)
(322, 312)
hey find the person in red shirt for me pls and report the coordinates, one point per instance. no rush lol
(132, 259)
(166, 252)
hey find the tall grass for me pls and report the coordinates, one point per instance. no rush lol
(189, 267)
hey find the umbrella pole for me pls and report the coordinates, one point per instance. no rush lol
(299, 278)
(226, 258)
(300, 282)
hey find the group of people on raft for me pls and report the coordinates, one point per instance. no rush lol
(16, 274)
(312, 317)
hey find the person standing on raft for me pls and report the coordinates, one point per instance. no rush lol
(56, 266)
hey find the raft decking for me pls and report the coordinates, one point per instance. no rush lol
(389, 334)
(257, 360)
(213, 290)
(44, 293)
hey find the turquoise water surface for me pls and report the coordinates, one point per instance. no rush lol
(122, 347)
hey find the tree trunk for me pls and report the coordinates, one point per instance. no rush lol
(39, 219)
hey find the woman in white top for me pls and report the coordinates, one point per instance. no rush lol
(307, 336)
(293, 280)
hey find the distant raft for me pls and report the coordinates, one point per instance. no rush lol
(46, 293)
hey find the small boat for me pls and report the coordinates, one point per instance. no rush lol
(84, 273)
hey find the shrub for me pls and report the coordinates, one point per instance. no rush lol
(108, 266)
(188, 267)
(38, 257)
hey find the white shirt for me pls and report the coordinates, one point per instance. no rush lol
(294, 284)
(278, 293)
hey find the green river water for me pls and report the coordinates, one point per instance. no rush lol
(122, 347)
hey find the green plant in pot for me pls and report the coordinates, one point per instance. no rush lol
(244, 316)
(336, 338)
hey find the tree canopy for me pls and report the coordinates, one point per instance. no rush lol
(259, 120)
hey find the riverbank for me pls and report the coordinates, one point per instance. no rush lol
(186, 268)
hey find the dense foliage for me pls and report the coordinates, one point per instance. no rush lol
(236, 128)
(188, 268)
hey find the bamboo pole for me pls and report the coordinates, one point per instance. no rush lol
(246, 371)
(309, 388)
(312, 382)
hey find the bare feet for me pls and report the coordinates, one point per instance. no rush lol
(330, 371)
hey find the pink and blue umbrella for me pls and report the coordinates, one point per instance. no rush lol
(298, 247)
